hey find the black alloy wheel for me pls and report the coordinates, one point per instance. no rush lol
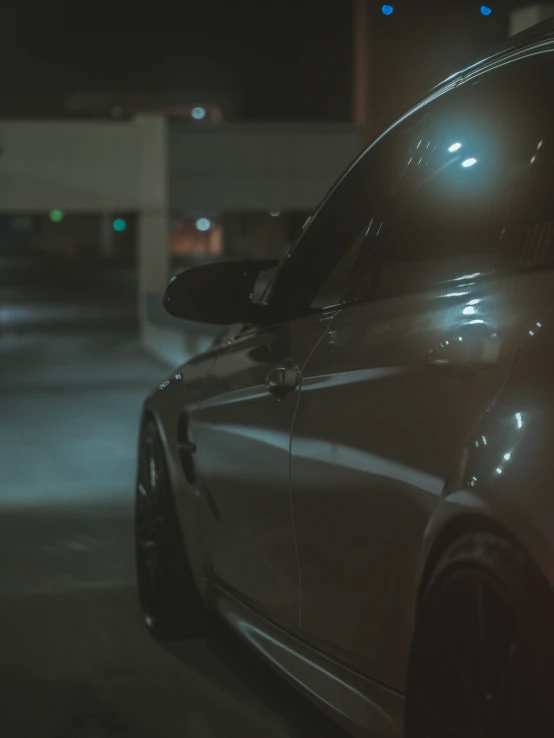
(170, 604)
(482, 658)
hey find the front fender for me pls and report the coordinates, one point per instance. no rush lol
(164, 406)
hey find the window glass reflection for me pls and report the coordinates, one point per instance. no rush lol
(461, 211)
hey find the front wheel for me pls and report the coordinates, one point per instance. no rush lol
(482, 663)
(170, 603)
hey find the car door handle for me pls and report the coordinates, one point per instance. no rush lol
(279, 382)
(187, 447)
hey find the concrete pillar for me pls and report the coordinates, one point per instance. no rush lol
(106, 237)
(153, 219)
(530, 15)
(360, 62)
(361, 67)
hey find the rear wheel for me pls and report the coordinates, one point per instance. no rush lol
(170, 603)
(482, 662)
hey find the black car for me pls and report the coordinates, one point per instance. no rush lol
(358, 480)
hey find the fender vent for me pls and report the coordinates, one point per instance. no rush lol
(187, 448)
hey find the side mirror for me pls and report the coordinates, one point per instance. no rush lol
(219, 293)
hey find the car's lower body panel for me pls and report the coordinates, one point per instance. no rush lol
(362, 706)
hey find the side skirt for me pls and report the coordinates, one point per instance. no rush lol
(355, 702)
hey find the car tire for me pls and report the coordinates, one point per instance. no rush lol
(482, 660)
(170, 603)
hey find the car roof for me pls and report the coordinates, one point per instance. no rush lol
(539, 31)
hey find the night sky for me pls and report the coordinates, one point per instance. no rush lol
(285, 60)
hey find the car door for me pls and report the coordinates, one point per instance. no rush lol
(435, 312)
(242, 431)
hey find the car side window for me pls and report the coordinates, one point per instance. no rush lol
(462, 187)
(315, 274)
(458, 207)
(332, 290)
(384, 167)
(527, 236)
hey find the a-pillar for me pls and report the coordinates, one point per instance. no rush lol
(529, 15)
(153, 218)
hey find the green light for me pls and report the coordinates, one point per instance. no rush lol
(56, 216)
(117, 111)
(119, 225)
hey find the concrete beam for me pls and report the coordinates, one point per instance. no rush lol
(80, 166)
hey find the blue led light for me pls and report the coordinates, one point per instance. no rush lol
(485, 10)
(387, 10)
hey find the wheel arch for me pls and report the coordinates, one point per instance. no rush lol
(481, 547)
(501, 480)
(455, 528)
(188, 506)
(149, 415)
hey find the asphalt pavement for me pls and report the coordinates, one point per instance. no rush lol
(49, 295)
(75, 660)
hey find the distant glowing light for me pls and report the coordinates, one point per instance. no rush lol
(533, 159)
(498, 470)
(454, 147)
(484, 440)
(198, 113)
(469, 162)
(507, 457)
(275, 213)
(476, 322)
(485, 10)
(519, 420)
(119, 225)
(473, 302)
(539, 145)
(56, 216)
(456, 294)
(203, 224)
(387, 10)
(468, 310)
(460, 338)
(539, 325)
(531, 333)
